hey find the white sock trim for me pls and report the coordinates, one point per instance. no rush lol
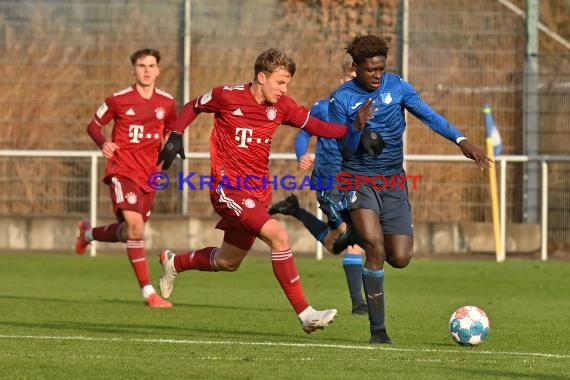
(147, 290)
(304, 313)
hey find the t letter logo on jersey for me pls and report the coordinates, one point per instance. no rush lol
(243, 135)
(135, 132)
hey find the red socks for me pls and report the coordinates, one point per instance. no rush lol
(108, 234)
(287, 275)
(283, 263)
(137, 257)
(200, 259)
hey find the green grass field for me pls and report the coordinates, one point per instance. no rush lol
(74, 317)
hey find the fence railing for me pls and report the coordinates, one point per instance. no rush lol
(502, 162)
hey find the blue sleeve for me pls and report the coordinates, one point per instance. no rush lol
(302, 143)
(318, 110)
(348, 144)
(417, 107)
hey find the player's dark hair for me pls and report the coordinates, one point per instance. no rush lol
(143, 53)
(363, 47)
(272, 60)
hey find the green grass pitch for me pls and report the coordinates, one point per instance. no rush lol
(76, 317)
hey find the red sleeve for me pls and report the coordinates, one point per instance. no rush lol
(95, 131)
(170, 122)
(105, 113)
(187, 116)
(300, 117)
(320, 128)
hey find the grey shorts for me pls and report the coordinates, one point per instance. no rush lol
(392, 205)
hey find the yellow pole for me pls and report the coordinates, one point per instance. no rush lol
(494, 201)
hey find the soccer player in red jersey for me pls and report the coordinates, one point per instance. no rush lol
(245, 119)
(141, 114)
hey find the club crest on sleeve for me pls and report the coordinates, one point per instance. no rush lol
(206, 97)
(101, 110)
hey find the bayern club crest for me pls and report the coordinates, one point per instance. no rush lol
(249, 203)
(131, 198)
(159, 112)
(271, 113)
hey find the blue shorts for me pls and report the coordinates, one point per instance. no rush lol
(392, 205)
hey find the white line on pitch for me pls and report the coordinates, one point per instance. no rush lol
(281, 344)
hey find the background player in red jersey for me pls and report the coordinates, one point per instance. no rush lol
(140, 113)
(245, 120)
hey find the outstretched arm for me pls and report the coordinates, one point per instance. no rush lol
(471, 151)
(174, 144)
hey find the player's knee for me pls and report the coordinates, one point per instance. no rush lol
(399, 260)
(280, 240)
(135, 231)
(375, 252)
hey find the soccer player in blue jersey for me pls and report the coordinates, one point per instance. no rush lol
(381, 215)
(326, 165)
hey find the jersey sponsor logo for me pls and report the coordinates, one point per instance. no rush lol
(136, 133)
(101, 110)
(237, 112)
(355, 105)
(206, 97)
(386, 98)
(243, 135)
(131, 198)
(159, 112)
(130, 112)
(249, 203)
(271, 113)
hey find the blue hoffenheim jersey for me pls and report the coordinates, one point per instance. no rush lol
(393, 97)
(328, 160)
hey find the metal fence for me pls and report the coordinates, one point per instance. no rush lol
(60, 59)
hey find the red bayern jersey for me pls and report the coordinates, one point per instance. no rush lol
(138, 130)
(241, 139)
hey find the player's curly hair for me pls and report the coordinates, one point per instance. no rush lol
(368, 46)
(272, 60)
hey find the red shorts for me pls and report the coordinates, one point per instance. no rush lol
(127, 195)
(242, 216)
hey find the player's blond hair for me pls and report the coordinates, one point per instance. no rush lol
(272, 60)
(346, 67)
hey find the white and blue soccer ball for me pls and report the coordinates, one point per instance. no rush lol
(469, 325)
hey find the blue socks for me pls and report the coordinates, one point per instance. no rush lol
(373, 282)
(352, 265)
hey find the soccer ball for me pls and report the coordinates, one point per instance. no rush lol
(469, 325)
